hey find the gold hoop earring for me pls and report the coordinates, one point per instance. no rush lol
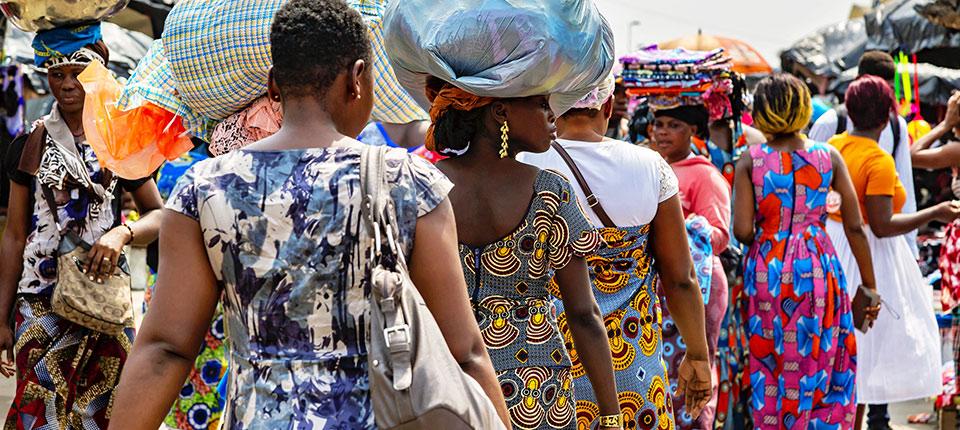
(505, 138)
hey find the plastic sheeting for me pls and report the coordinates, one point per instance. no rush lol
(501, 48)
(831, 50)
(936, 83)
(941, 12)
(898, 25)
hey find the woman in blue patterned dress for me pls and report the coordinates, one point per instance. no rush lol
(279, 223)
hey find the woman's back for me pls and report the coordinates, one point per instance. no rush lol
(281, 230)
(790, 188)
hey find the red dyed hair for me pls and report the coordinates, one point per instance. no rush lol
(870, 101)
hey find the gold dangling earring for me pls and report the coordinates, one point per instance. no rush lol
(505, 144)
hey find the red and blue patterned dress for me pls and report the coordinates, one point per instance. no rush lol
(799, 326)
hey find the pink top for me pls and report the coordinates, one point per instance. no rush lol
(704, 191)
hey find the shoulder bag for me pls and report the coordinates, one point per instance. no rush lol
(415, 382)
(106, 307)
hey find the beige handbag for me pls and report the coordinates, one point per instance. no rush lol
(415, 383)
(105, 307)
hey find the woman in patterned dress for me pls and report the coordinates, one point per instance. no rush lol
(705, 197)
(199, 405)
(798, 315)
(519, 227)
(640, 249)
(274, 226)
(66, 373)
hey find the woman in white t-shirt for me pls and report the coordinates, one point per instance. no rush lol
(639, 217)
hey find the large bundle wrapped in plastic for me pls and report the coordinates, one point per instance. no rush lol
(219, 54)
(501, 48)
(153, 82)
(36, 15)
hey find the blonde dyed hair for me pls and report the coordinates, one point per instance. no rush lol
(782, 105)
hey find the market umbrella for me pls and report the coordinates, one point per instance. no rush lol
(746, 59)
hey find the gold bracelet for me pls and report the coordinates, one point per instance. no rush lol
(132, 236)
(615, 421)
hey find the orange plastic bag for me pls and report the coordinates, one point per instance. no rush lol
(132, 143)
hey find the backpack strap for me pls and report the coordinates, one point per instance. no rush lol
(841, 119)
(592, 200)
(895, 128)
(33, 151)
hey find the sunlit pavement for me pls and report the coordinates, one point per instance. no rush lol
(899, 412)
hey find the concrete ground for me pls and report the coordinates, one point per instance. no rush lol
(899, 412)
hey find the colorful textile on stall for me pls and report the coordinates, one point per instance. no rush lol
(701, 249)
(66, 373)
(624, 284)
(950, 268)
(153, 82)
(673, 78)
(799, 322)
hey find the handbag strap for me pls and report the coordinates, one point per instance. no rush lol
(592, 200)
(377, 212)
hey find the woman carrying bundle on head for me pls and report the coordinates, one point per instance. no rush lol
(66, 372)
(705, 198)
(520, 228)
(799, 321)
(276, 228)
(639, 250)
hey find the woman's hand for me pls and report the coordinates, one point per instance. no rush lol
(952, 118)
(103, 256)
(947, 212)
(7, 367)
(694, 382)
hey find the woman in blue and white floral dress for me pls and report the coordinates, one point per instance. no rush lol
(275, 226)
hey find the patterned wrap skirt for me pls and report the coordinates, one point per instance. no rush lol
(66, 373)
(539, 397)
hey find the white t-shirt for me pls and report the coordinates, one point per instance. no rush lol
(826, 127)
(629, 181)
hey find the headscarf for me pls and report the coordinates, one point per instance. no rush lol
(68, 46)
(450, 97)
(598, 96)
(695, 115)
